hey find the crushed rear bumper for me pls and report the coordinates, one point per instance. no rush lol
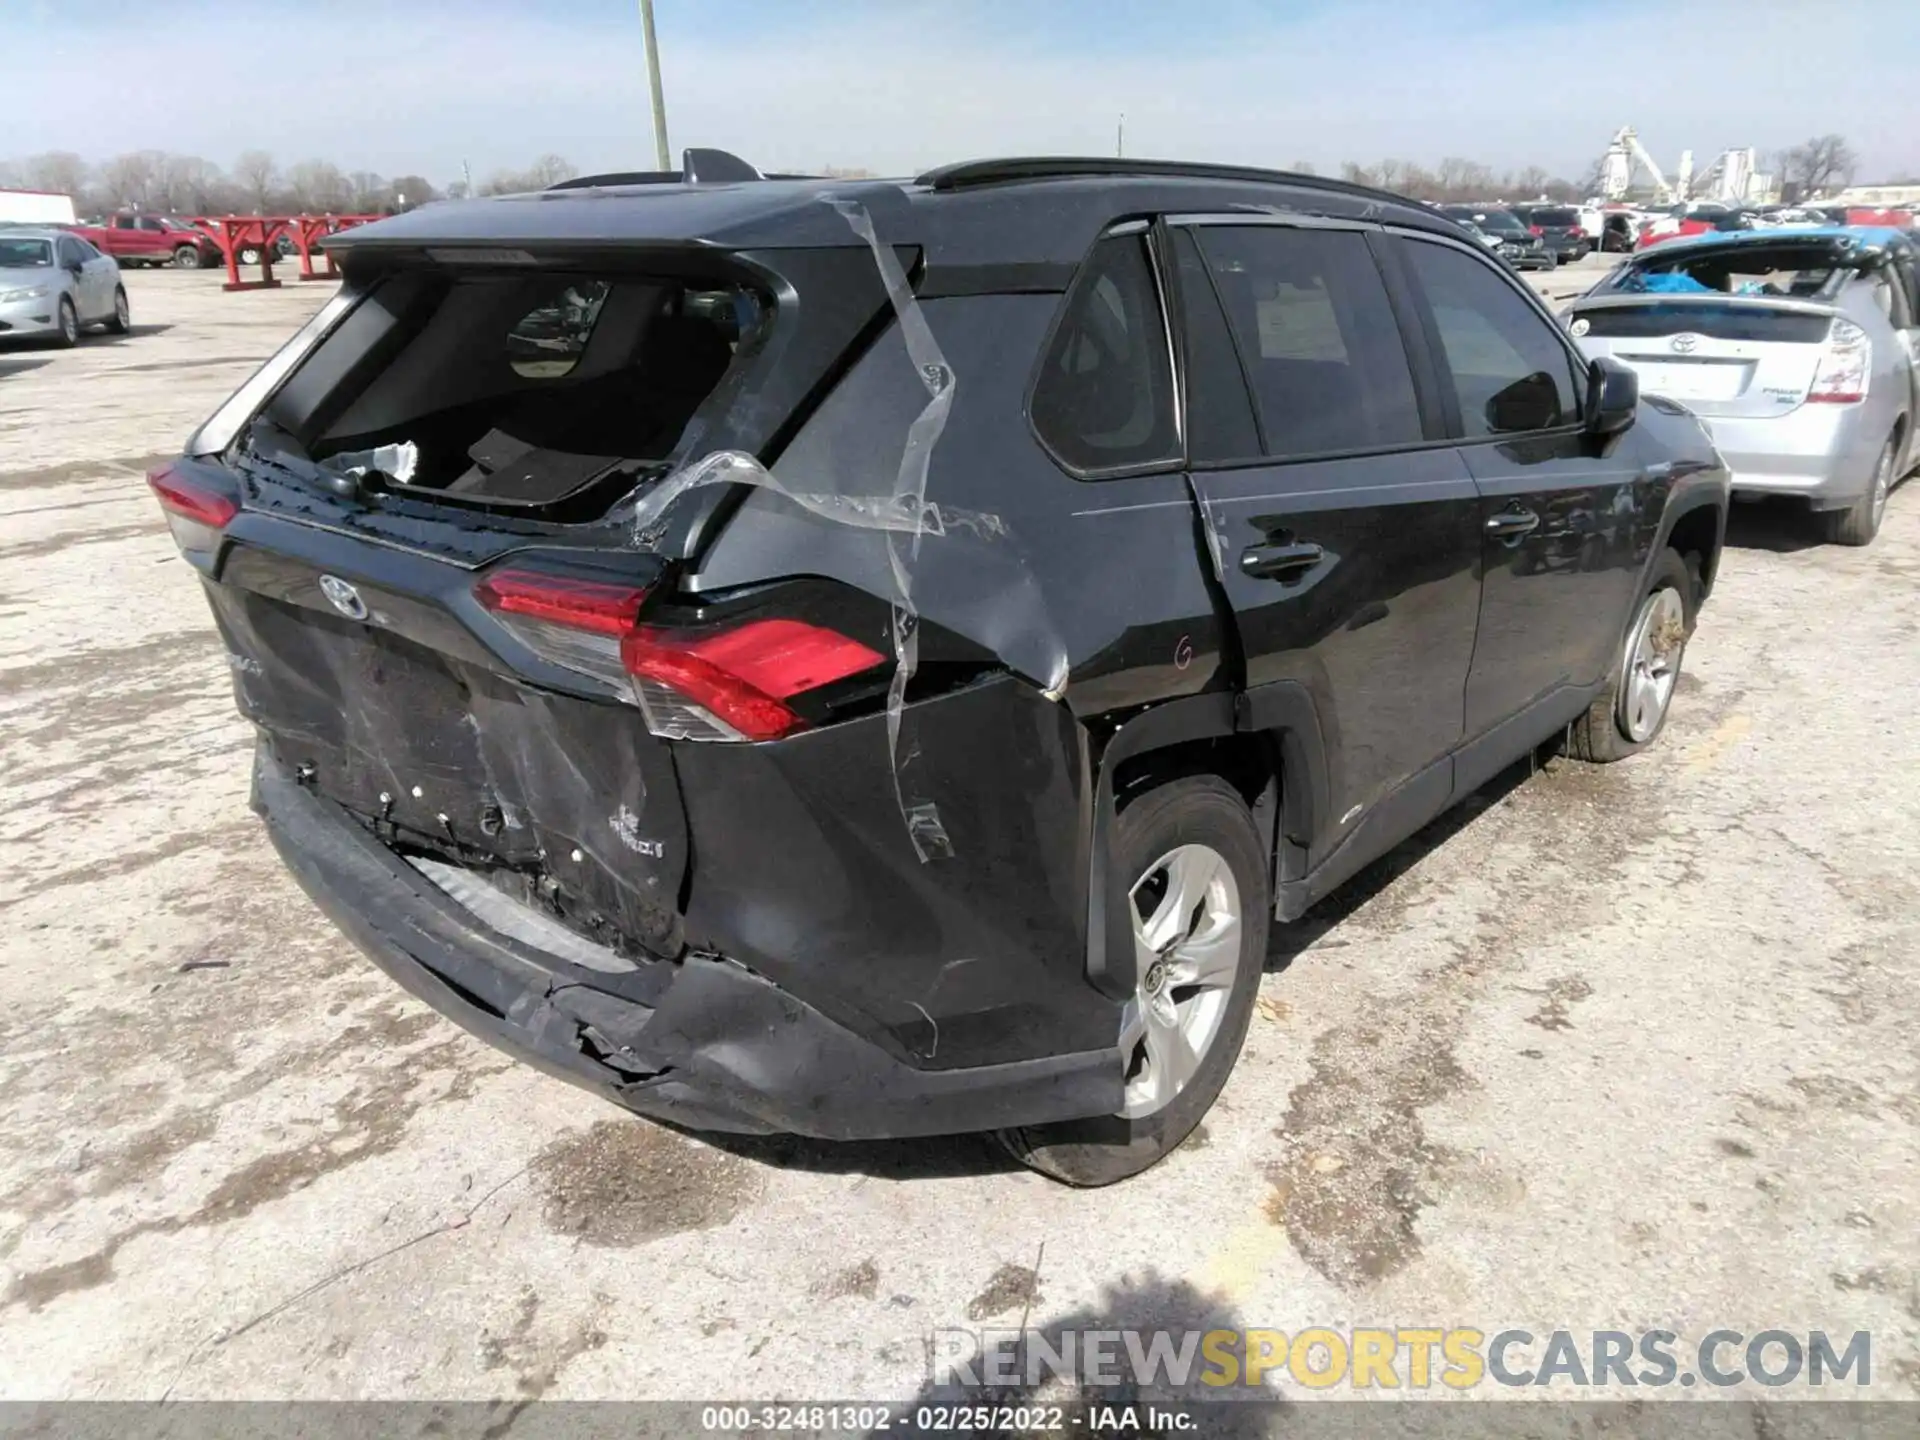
(716, 1046)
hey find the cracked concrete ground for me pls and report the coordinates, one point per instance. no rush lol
(1605, 1048)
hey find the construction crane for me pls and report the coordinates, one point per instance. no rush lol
(1626, 151)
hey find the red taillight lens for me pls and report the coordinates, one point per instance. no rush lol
(594, 605)
(723, 684)
(570, 622)
(1845, 370)
(737, 677)
(196, 513)
(1535, 230)
(192, 502)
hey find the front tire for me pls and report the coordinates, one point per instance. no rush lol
(122, 321)
(186, 257)
(1629, 716)
(1860, 521)
(68, 335)
(1201, 905)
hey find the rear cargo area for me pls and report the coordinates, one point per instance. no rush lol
(545, 393)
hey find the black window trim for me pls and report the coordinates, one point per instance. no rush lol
(1429, 396)
(1156, 267)
(1581, 366)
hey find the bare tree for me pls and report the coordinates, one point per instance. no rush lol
(254, 172)
(370, 191)
(408, 191)
(551, 170)
(188, 185)
(59, 171)
(1390, 174)
(1355, 174)
(1823, 163)
(318, 186)
(1530, 183)
(130, 181)
(1302, 167)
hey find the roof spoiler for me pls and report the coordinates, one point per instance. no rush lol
(698, 166)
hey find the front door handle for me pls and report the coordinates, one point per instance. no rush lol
(1512, 523)
(1279, 562)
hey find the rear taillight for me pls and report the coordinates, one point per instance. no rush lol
(1535, 230)
(731, 682)
(196, 513)
(1846, 366)
(574, 623)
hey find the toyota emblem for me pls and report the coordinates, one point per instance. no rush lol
(1685, 344)
(343, 597)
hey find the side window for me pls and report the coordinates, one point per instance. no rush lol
(69, 253)
(1510, 372)
(1220, 424)
(147, 222)
(1322, 350)
(1104, 395)
(122, 222)
(547, 341)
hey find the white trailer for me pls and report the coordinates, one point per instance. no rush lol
(35, 207)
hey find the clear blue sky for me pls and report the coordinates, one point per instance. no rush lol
(418, 86)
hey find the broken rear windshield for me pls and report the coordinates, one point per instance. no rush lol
(517, 390)
(1801, 272)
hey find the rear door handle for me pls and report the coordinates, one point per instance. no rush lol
(1512, 524)
(1279, 562)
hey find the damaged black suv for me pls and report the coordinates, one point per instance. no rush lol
(872, 658)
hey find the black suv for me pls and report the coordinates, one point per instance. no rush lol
(1513, 241)
(871, 659)
(1559, 229)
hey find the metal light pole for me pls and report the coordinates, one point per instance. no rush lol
(653, 82)
(1120, 138)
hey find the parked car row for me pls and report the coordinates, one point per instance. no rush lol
(1799, 349)
(1295, 517)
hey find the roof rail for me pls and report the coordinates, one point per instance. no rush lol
(698, 166)
(1065, 167)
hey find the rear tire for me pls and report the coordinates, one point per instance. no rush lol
(1203, 827)
(1631, 713)
(1860, 521)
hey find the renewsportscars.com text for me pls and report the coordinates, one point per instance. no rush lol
(1412, 1358)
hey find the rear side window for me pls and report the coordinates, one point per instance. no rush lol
(1104, 395)
(1322, 350)
(1220, 424)
(1510, 371)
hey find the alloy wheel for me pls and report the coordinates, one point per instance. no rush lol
(1186, 941)
(1882, 484)
(1652, 664)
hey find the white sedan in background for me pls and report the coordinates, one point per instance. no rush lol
(53, 284)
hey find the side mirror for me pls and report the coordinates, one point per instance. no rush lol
(1530, 403)
(1613, 397)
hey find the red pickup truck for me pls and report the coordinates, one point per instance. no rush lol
(152, 240)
